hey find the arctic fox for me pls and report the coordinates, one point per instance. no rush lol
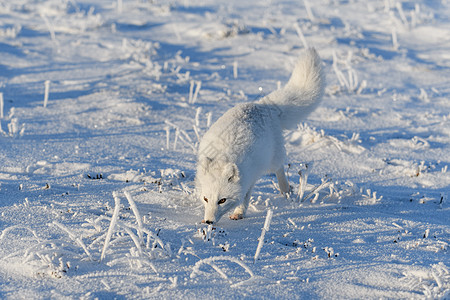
(247, 142)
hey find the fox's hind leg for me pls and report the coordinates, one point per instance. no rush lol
(282, 181)
(239, 212)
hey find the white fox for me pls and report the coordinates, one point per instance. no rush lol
(247, 142)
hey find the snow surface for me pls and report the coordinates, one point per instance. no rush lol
(96, 183)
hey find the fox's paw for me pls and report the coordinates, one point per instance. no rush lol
(287, 194)
(207, 222)
(236, 216)
(285, 189)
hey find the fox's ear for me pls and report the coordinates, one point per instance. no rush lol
(231, 172)
(204, 163)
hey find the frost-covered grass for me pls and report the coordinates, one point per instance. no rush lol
(102, 107)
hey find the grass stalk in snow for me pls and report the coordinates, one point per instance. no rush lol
(167, 129)
(46, 92)
(394, 39)
(175, 141)
(399, 7)
(315, 191)
(13, 127)
(52, 32)
(300, 35)
(210, 261)
(213, 265)
(197, 116)
(76, 239)
(155, 238)
(270, 27)
(340, 76)
(350, 82)
(362, 86)
(208, 119)
(263, 233)
(133, 237)
(302, 182)
(424, 95)
(188, 138)
(309, 11)
(370, 197)
(191, 90)
(235, 69)
(197, 90)
(183, 136)
(112, 225)
(197, 133)
(1, 105)
(11, 228)
(137, 215)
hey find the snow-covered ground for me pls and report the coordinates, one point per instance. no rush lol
(103, 103)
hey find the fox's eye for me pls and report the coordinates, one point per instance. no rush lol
(206, 199)
(222, 201)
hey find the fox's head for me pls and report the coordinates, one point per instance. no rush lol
(218, 187)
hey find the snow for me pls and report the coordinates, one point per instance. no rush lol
(104, 102)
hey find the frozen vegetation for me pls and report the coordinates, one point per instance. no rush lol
(103, 104)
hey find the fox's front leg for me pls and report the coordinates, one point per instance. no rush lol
(239, 212)
(282, 181)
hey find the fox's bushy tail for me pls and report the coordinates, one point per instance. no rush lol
(303, 92)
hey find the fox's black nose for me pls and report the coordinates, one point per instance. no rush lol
(209, 222)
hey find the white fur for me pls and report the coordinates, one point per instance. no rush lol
(247, 141)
